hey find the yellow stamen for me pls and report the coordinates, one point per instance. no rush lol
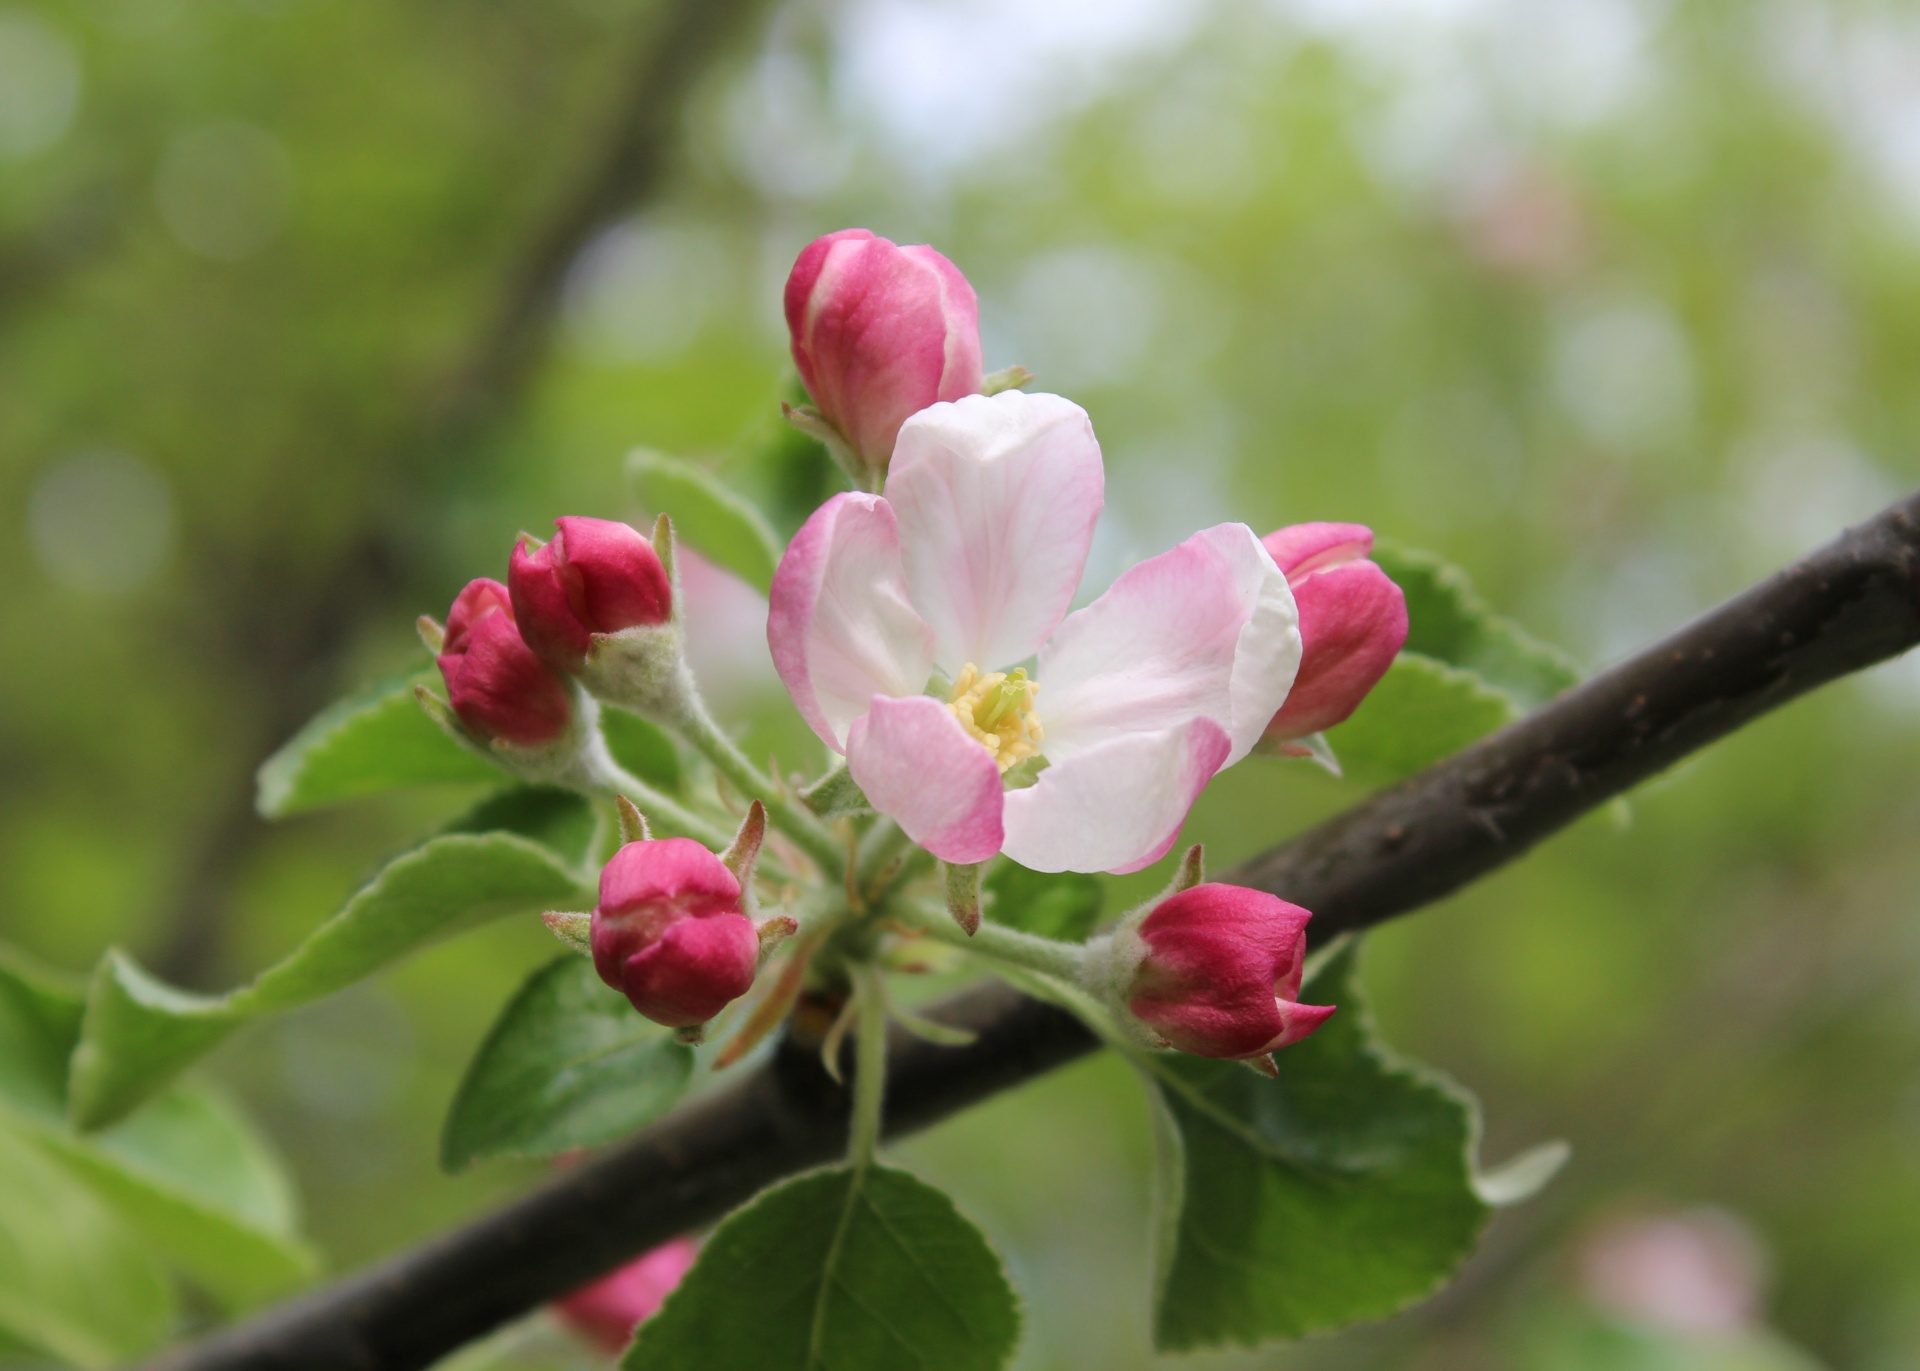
(996, 709)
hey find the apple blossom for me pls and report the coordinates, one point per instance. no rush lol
(496, 686)
(880, 332)
(1353, 622)
(964, 569)
(670, 932)
(1215, 970)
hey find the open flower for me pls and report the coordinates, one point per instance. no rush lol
(899, 623)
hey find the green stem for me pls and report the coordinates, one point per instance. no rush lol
(997, 942)
(661, 809)
(785, 813)
(870, 1064)
(879, 846)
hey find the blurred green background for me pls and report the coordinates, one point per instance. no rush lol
(1614, 302)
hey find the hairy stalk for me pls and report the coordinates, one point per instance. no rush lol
(996, 942)
(870, 1064)
(792, 818)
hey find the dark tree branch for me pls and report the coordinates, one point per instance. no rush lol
(1853, 603)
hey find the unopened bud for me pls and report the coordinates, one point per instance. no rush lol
(606, 1312)
(879, 333)
(597, 603)
(1353, 622)
(669, 933)
(1214, 970)
(497, 687)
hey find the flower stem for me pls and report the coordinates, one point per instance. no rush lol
(997, 942)
(790, 817)
(870, 1064)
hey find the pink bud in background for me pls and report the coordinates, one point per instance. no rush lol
(606, 1312)
(1221, 973)
(596, 576)
(1695, 1272)
(879, 333)
(495, 684)
(1353, 622)
(669, 933)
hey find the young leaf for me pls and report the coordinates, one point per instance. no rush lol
(140, 1033)
(840, 1270)
(187, 1172)
(642, 748)
(1064, 905)
(76, 1284)
(559, 819)
(1342, 1191)
(1447, 620)
(568, 1064)
(1421, 711)
(379, 739)
(707, 514)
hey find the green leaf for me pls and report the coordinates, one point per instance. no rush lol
(707, 514)
(377, 740)
(840, 1270)
(1343, 1191)
(642, 748)
(1064, 905)
(187, 1172)
(560, 819)
(1449, 621)
(568, 1064)
(76, 1283)
(1421, 711)
(140, 1033)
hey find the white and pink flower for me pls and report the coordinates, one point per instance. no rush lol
(900, 623)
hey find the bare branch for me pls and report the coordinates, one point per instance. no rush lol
(1849, 605)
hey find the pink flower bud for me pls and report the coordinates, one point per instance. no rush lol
(879, 333)
(606, 1312)
(669, 933)
(1353, 621)
(496, 686)
(1221, 973)
(596, 576)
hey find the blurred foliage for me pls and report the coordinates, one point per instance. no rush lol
(1613, 302)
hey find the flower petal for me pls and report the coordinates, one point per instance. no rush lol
(919, 768)
(1302, 549)
(997, 497)
(839, 623)
(1117, 806)
(1207, 629)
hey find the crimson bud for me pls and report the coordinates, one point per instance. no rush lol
(1353, 622)
(1219, 973)
(669, 932)
(596, 576)
(497, 687)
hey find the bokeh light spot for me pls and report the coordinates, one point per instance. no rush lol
(225, 190)
(39, 83)
(100, 521)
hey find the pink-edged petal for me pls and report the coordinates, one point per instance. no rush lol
(1117, 806)
(997, 497)
(1208, 629)
(919, 768)
(839, 623)
(1302, 549)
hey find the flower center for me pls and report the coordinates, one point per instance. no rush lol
(996, 708)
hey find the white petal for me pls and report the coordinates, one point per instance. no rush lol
(1117, 806)
(997, 497)
(1208, 629)
(919, 768)
(839, 623)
